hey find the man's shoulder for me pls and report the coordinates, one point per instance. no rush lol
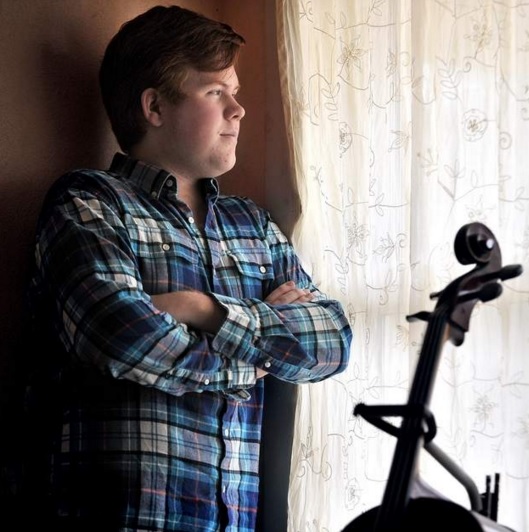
(86, 181)
(83, 178)
(242, 204)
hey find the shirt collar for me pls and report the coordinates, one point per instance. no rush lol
(152, 179)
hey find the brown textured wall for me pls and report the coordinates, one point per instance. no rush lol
(52, 120)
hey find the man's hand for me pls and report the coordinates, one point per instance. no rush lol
(289, 293)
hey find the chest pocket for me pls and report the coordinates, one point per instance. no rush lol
(168, 258)
(250, 272)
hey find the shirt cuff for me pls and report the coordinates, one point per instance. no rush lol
(239, 331)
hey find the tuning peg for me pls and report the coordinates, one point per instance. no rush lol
(485, 293)
(489, 292)
(423, 315)
(508, 272)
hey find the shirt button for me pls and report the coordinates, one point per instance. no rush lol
(267, 364)
(166, 247)
(224, 488)
(206, 382)
(226, 432)
(169, 183)
(262, 269)
(191, 220)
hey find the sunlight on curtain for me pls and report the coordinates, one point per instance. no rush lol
(407, 120)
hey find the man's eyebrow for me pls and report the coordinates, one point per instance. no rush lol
(219, 81)
(224, 84)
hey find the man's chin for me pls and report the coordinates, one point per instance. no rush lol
(224, 168)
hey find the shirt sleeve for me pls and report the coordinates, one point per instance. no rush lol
(297, 343)
(303, 342)
(88, 272)
(91, 293)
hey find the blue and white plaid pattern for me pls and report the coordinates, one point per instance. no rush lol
(160, 426)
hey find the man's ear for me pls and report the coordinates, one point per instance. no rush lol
(150, 106)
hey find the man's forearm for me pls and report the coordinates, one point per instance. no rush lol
(201, 312)
(195, 309)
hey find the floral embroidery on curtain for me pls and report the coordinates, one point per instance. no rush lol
(408, 119)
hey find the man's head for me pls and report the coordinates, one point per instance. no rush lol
(155, 50)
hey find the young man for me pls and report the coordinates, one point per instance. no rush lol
(165, 303)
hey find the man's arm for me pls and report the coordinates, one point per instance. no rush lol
(200, 311)
(196, 309)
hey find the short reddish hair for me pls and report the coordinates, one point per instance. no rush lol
(155, 50)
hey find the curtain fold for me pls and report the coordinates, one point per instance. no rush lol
(407, 120)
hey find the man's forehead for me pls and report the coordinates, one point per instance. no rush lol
(226, 77)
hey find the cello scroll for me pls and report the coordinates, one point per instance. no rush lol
(398, 512)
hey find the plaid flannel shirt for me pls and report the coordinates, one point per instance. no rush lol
(158, 425)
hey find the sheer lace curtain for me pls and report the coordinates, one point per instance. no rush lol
(408, 119)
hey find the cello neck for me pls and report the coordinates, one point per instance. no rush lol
(411, 432)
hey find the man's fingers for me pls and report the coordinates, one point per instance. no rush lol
(289, 293)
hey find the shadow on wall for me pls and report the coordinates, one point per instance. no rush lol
(53, 121)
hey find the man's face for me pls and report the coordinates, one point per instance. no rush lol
(200, 132)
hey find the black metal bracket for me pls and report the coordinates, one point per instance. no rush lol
(374, 414)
